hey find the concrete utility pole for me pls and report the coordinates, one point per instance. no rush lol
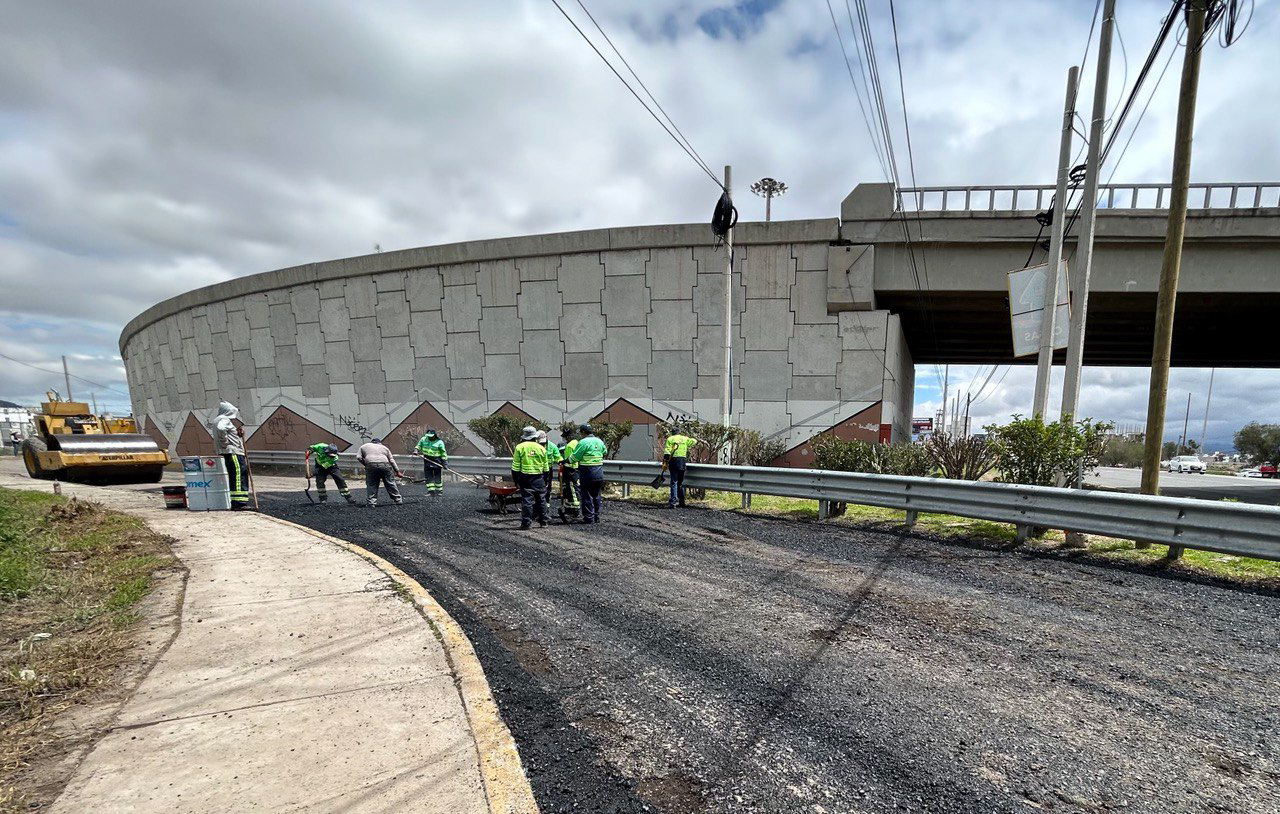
(1183, 448)
(1048, 320)
(1208, 399)
(727, 397)
(66, 375)
(946, 379)
(768, 189)
(1171, 264)
(1084, 248)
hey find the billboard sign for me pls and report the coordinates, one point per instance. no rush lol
(1026, 308)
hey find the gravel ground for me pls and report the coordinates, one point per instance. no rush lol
(703, 661)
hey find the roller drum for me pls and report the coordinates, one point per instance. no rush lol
(111, 444)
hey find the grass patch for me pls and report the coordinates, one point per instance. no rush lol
(1245, 570)
(71, 576)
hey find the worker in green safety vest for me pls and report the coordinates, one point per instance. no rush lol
(528, 470)
(675, 457)
(434, 460)
(323, 460)
(569, 489)
(553, 461)
(589, 454)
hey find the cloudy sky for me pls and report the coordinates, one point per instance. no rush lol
(149, 146)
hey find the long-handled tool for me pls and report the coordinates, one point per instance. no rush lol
(468, 478)
(253, 485)
(306, 470)
(662, 477)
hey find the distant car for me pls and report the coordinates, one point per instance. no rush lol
(1186, 463)
(1267, 470)
(1250, 473)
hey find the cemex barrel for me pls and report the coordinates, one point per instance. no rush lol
(208, 487)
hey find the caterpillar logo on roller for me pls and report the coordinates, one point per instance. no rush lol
(72, 444)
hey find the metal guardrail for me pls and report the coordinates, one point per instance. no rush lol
(1019, 198)
(1231, 528)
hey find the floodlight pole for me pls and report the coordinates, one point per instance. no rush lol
(727, 396)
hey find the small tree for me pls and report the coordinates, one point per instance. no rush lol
(1032, 452)
(612, 433)
(1121, 451)
(753, 449)
(502, 432)
(961, 458)
(1260, 443)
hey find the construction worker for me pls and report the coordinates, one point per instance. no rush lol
(228, 440)
(379, 468)
(528, 467)
(434, 459)
(325, 466)
(589, 455)
(553, 461)
(675, 457)
(569, 492)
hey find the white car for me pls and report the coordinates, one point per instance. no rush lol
(1186, 463)
(1250, 473)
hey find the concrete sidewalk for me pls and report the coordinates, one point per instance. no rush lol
(303, 677)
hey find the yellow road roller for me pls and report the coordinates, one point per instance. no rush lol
(70, 443)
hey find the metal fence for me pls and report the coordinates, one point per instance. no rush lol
(1231, 528)
(1110, 197)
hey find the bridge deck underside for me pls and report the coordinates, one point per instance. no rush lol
(1210, 330)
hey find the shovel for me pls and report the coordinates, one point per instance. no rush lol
(662, 477)
(306, 468)
(467, 478)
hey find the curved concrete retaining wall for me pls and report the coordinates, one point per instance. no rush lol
(623, 323)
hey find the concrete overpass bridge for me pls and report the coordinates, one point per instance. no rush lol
(953, 302)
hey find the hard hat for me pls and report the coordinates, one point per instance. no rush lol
(528, 434)
(585, 429)
(331, 449)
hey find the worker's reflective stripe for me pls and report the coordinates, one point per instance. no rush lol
(239, 492)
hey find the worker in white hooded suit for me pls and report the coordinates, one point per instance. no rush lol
(228, 439)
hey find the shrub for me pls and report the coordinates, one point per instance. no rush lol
(407, 438)
(753, 449)
(831, 453)
(961, 458)
(612, 434)
(714, 436)
(502, 432)
(1032, 452)
(1121, 451)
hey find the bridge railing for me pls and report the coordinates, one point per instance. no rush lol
(1231, 528)
(1018, 198)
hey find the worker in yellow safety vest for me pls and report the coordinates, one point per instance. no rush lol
(675, 457)
(553, 462)
(528, 469)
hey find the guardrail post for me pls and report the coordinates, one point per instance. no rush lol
(824, 509)
(746, 500)
(626, 491)
(912, 516)
(1024, 531)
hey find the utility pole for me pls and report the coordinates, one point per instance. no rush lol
(727, 418)
(1171, 264)
(768, 189)
(94, 400)
(1183, 448)
(66, 375)
(1208, 399)
(946, 380)
(1084, 248)
(1048, 320)
(968, 402)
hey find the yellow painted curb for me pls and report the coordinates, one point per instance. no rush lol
(506, 787)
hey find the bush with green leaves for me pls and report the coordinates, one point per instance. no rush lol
(502, 432)
(752, 449)
(714, 437)
(1121, 450)
(406, 438)
(959, 457)
(611, 432)
(832, 453)
(1032, 452)
(1260, 443)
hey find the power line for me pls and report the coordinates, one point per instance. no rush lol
(59, 373)
(856, 92)
(687, 148)
(645, 87)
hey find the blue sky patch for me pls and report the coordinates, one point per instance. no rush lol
(738, 21)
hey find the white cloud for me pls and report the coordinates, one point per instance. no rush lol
(153, 147)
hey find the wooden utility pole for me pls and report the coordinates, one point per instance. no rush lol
(1171, 264)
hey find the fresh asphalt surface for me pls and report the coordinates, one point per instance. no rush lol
(1184, 484)
(708, 661)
